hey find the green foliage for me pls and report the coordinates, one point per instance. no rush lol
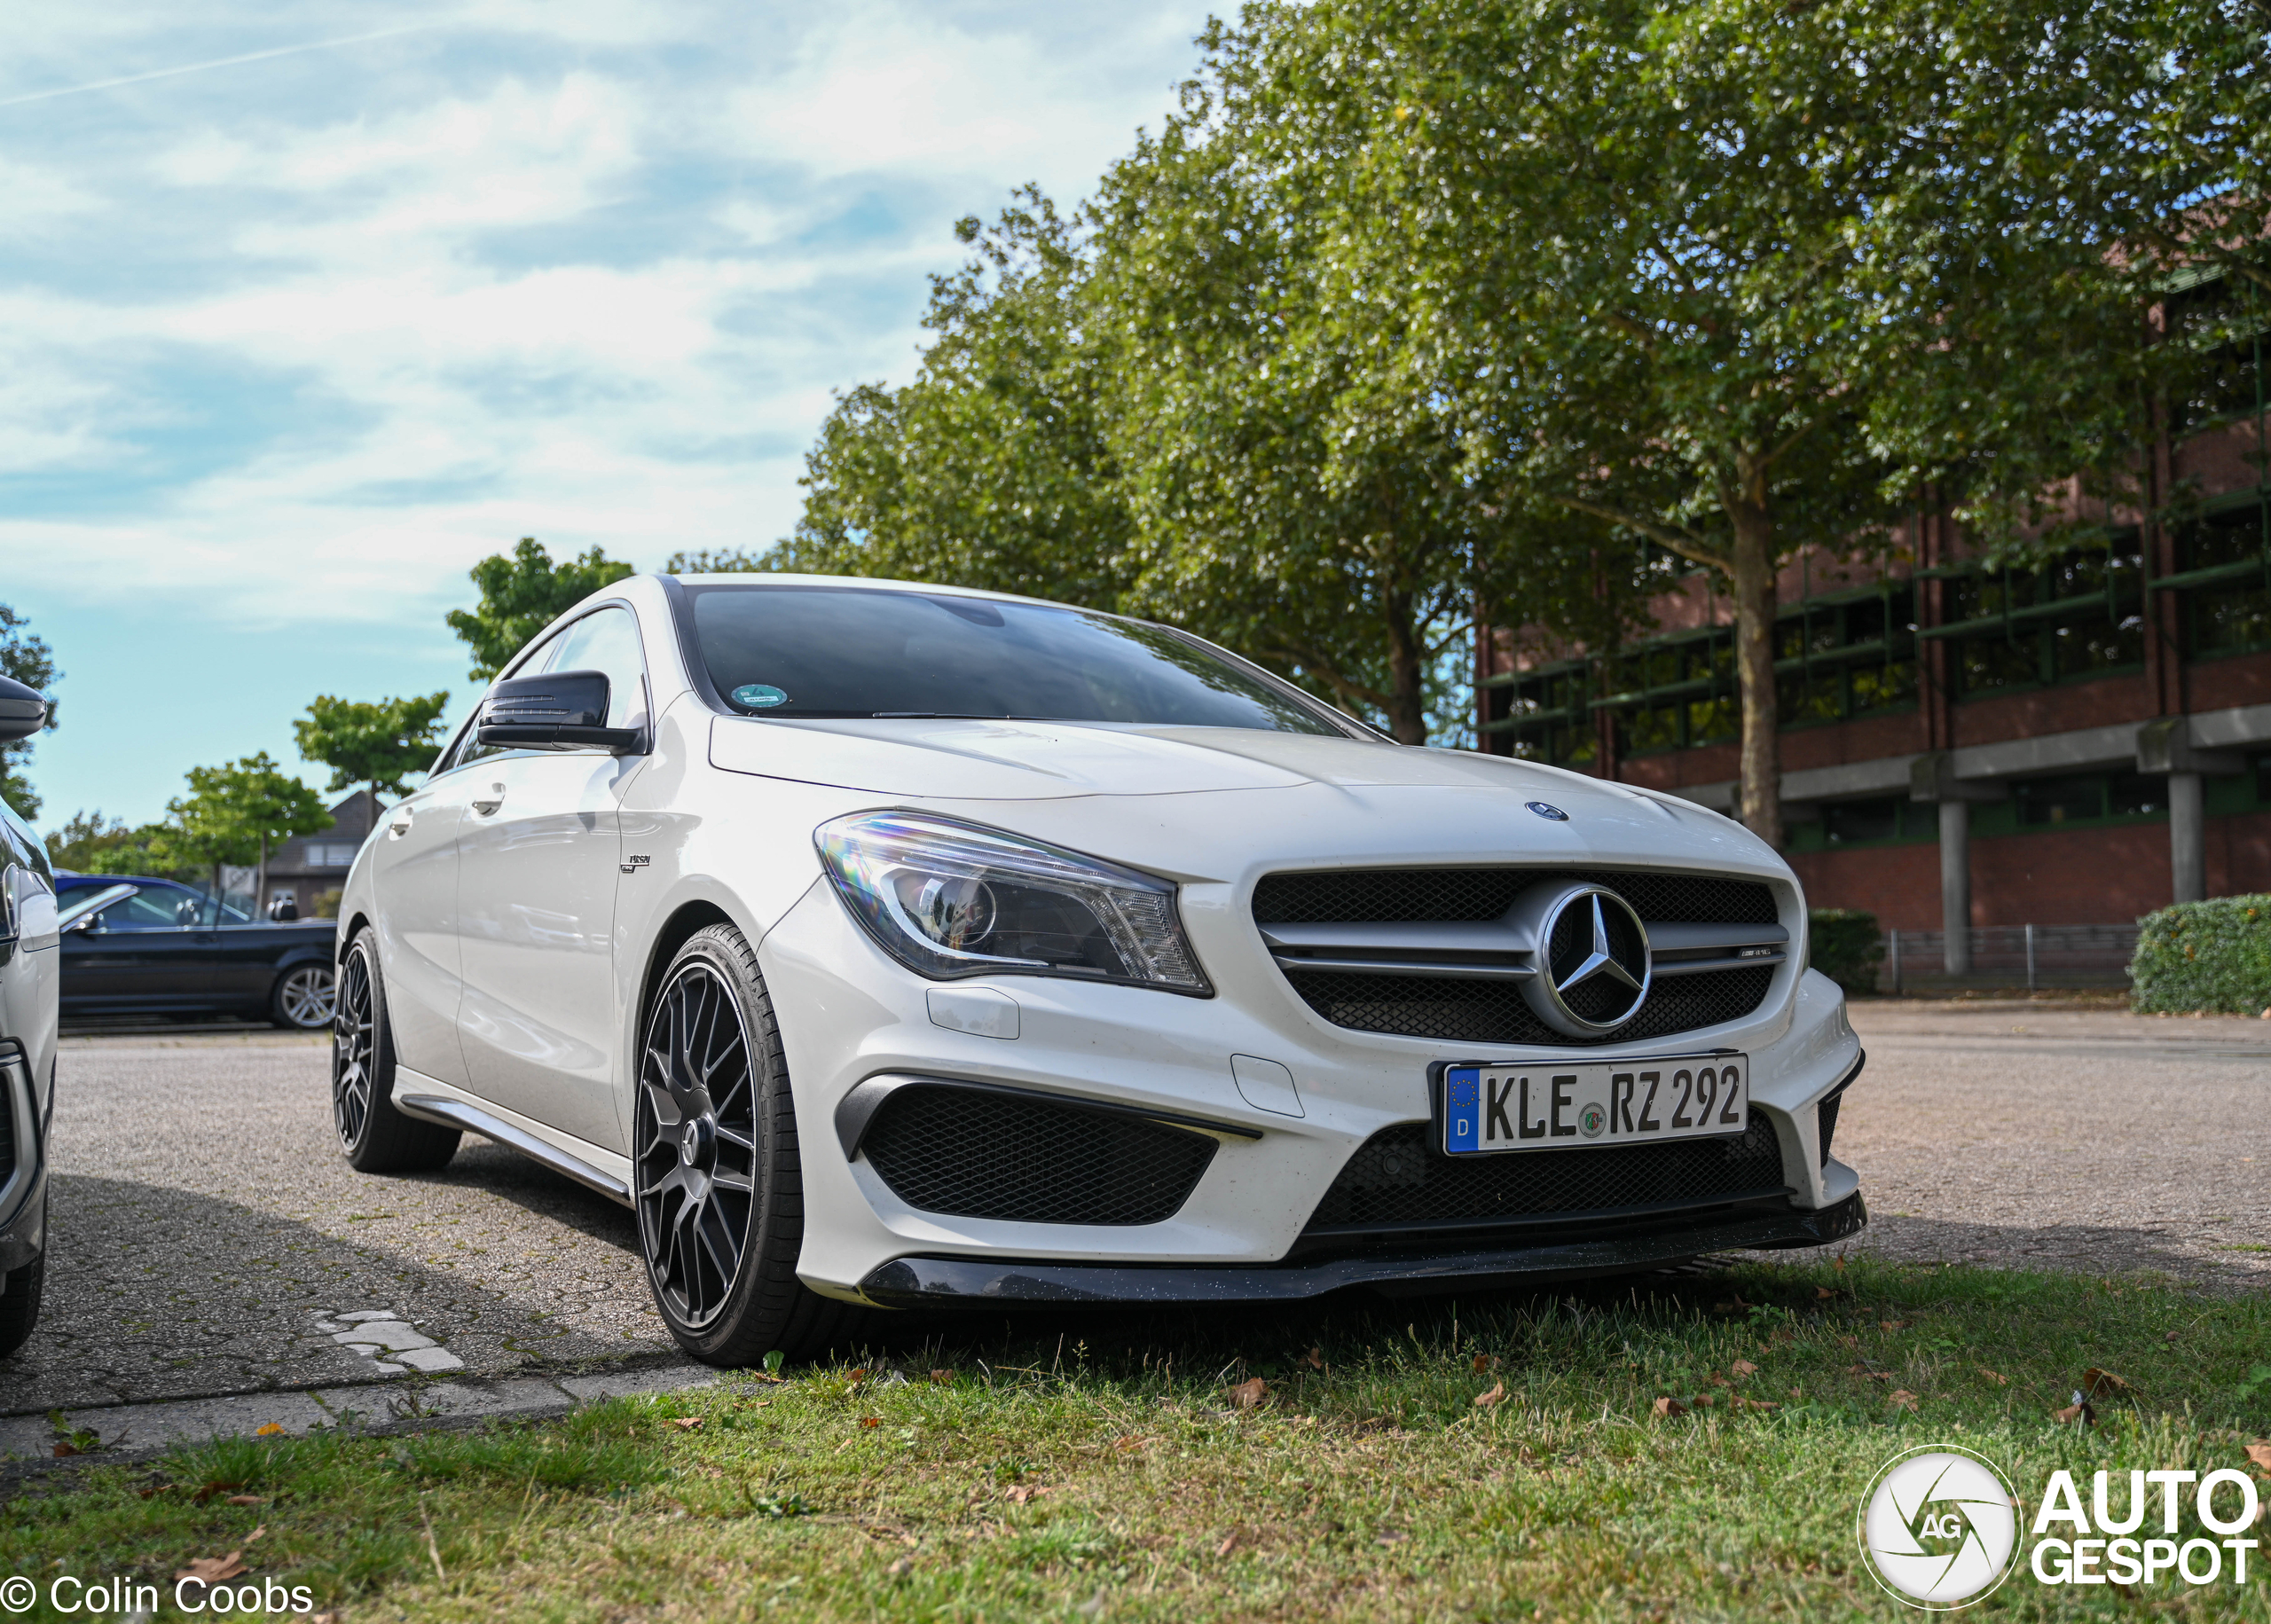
(521, 593)
(1845, 945)
(381, 744)
(714, 560)
(2212, 956)
(233, 813)
(990, 470)
(26, 659)
(1740, 277)
(90, 843)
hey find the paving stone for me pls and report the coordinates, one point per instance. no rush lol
(624, 1383)
(25, 1438)
(384, 1333)
(431, 1360)
(361, 1315)
(140, 1427)
(382, 1405)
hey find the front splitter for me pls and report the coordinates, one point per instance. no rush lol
(913, 1282)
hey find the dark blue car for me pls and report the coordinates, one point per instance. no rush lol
(135, 946)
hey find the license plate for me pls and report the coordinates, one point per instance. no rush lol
(1559, 1106)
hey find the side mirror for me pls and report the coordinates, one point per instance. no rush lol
(22, 711)
(561, 708)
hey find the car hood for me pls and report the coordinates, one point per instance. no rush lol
(1137, 794)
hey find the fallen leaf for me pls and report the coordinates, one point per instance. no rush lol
(1485, 1362)
(246, 1500)
(268, 1429)
(1668, 1407)
(213, 1570)
(1891, 1324)
(686, 1423)
(1742, 1403)
(2079, 1410)
(1131, 1443)
(62, 1450)
(1825, 1292)
(256, 1533)
(904, 1565)
(942, 1378)
(1901, 1398)
(1704, 1400)
(2259, 1452)
(2001, 1381)
(1316, 1358)
(2172, 1336)
(1484, 1401)
(1394, 1536)
(871, 1421)
(1223, 1549)
(1715, 1378)
(1024, 1491)
(1744, 1367)
(2098, 1384)
(213, 1490)
(1841, 1260)
(1250, 1393)
(857, 1376)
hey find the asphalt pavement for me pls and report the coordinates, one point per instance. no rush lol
(207, 1239)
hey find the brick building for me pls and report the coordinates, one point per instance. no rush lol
(2076, 744)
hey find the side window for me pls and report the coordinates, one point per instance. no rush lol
(154, 908)
(608, 640)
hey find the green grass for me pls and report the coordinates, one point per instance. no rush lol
(1110, 1476)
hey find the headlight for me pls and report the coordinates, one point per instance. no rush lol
(947, 898)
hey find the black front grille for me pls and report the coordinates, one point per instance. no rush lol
(1460, 1011)
(1380, 895)
(1397, 1179)
(974, 1154)
(1827, 1122)
(1457, 1009)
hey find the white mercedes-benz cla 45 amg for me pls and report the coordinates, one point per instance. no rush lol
(885, 945)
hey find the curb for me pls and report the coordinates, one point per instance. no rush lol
(129, 1432)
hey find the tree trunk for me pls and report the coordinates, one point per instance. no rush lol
(260, 880)
(1407, 675)
(1759, 802)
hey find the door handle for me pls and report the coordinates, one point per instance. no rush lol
(486, 805)
(399, 824)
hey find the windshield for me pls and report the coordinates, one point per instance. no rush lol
(819, 651)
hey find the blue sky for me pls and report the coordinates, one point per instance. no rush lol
(300, 321)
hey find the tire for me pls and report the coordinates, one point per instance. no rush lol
(715, 1176)
(377, 1137)
(305, 997)
(20, 1304)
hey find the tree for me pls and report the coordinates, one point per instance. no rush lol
(1741, 277)
(28, 659)
(232, 812)
(90, 843)
(1290, 500)
(379, 744)
(520, 594)
(991, 469)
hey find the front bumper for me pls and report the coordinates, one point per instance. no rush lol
(913, 1282)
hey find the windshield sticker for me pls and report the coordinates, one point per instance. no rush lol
(758, 696)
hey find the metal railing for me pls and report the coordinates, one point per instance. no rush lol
(2032, 956)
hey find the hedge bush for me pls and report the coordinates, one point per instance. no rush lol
(1844, 944)
(2212, 956)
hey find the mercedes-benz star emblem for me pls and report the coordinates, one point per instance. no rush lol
(1549, 812)
(1593, 959)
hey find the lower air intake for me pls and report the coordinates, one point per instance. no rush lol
(972, 1154)
(1397, 1179)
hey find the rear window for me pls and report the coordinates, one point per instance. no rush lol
(817, 651)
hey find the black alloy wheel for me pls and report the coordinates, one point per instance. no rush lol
(696, 1145)
(716, 1180)
(377, 1137)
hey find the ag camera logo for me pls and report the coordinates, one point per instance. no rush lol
(1938, 1527)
